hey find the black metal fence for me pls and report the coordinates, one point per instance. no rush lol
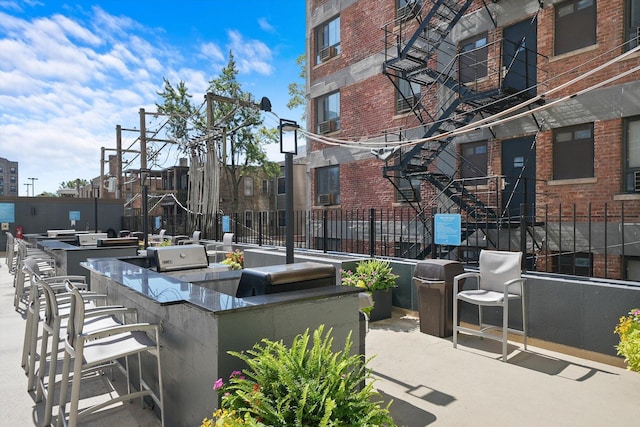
(577, 239)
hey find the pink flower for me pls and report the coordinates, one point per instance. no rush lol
(218, 384)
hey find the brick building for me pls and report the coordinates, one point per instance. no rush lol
(9, 178)
(503, 111)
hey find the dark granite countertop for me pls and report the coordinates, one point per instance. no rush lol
(165, 289)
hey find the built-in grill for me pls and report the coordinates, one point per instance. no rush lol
(188, 263)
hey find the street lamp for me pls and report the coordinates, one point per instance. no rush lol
(96, 193)
(33, 186)
(28, 185)
(288, 126)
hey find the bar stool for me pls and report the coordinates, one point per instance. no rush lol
(93, 350)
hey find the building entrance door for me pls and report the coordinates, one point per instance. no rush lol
(519, 170)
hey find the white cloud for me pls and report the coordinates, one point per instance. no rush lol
(251, 55)
(265, 25)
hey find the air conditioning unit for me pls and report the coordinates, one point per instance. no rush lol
(326, 127)
(407, 194)
(328, 53)
(325, 199)
(636, 181)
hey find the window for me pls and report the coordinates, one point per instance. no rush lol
(575, 25)
(12, 169)
(632, 23)
(328, 185)
(579, 264)
(406, 9)
(631, 170)
(328, 112)
(407, 95)
(1, 169)
(473, 58)
(408, 190)
(573, 152)
(265, 186)
(328, 40)
(282, 218)
(248, 186)
(248, 219)
(12, 178)
(282, 185)
(473, 161)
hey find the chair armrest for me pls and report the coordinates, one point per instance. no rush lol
(512, 282)
(110, 310)
(132, 327)
(462, 276)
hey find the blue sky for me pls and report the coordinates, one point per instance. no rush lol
(70, 71)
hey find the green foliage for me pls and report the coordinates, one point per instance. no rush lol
(234, 259)
(241, 144)
(371, 275)
(297, 90)
(74, 183)
(628, 329)
(304, 385)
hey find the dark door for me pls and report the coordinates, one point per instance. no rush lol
(520, 57)
(519, 170)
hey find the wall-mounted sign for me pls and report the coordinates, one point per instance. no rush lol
(448, 229)
(7, 212)
(226, 224)
(74, 215)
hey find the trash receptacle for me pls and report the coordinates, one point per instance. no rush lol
(433, 279)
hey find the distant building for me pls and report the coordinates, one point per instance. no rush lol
(9, 182)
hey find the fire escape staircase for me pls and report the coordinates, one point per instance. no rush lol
(416, 61)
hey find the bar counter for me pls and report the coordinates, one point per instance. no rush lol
(201, 320)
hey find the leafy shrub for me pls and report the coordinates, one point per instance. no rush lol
(371, 275)
(629, 346)
(303, 386)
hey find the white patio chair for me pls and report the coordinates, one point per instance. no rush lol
(91, 351)
(498, 282)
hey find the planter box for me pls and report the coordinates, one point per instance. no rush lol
(382, 305)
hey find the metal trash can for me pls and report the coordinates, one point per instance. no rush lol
(433, 279)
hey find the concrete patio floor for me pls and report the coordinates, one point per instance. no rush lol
(429, 381)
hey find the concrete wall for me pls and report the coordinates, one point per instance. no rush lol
(573, 311)
(39, 214)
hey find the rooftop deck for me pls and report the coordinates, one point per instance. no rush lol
(430, 382)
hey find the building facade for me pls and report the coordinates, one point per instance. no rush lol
(503, 111)
(9, 178)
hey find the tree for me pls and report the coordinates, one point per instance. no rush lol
(297, 90)
(239, 134)
(74, 183)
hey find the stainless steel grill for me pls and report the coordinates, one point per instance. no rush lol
(176, 258)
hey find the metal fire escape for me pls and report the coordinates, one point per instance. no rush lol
(419, 51)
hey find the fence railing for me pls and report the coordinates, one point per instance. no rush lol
(578, 239)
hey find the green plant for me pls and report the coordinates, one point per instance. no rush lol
(628, 329)
(304, 385)
(234, 259)
(226, 418)
(371, 275)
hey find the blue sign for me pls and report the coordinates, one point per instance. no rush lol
(226, 224)
(74, 215)
(7, 212)
(158, 223)
(448, 229)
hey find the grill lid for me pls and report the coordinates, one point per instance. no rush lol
(181, 257)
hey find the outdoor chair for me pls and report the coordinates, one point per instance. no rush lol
(91, 351)
(225, 247)
(498, 282)
(54, 325)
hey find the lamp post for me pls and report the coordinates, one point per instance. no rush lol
(96, 189)
(33, 186)
(28, 185)
(288, 126)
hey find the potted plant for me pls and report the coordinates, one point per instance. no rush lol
(374, 276)
(306, 384)
(628, 329)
